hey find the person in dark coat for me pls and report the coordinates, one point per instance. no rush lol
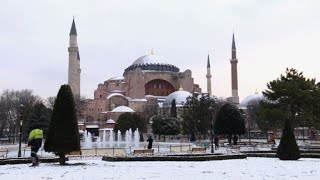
(216, 142)
(150, 140)
(235, 140)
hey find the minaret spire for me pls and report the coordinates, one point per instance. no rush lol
(233, 43)
(73, 30)
(208, 77)
(234, 72)
(74, 70)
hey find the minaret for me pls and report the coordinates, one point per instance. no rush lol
(208, 78)
(234, 72)
(74, 62)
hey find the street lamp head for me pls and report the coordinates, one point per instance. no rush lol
(21, 108)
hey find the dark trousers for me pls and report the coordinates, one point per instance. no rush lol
(34, 156)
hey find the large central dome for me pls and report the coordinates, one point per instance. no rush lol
(150, 59)
(152, 62)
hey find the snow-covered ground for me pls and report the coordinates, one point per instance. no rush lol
(250, 168)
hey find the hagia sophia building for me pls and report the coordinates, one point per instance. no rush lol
(148, 80)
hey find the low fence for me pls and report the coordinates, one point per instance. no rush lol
(110, 151)
(118, 151)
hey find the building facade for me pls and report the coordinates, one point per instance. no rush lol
(148, 83)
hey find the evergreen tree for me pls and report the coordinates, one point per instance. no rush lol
(165, 126)
(127, 121)
(173, 110)
(63, 133)
(288, 148)
(38, 117)
(196, 115)
(229, 121)
(193, 137)
(297, 94)
(269, 116)
(141, 138)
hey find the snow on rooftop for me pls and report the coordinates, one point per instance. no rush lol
(122, 109)
(116, 91)
(116, 78)
(92, 126)
(144, 100)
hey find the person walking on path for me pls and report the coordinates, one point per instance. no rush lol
(150, 140)
(35, 142)
(216, 142)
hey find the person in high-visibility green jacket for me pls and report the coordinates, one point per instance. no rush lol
(35, 141)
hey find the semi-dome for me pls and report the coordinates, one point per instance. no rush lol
(179, 96)
(152, 62)
(122, 109)
(253, 98)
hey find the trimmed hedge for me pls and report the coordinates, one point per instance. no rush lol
(26, 160)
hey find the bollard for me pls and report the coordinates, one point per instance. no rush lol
(7, 153)
(113, 151)
(24, 152)
(96, 151)
(158, 149)
(170, 148)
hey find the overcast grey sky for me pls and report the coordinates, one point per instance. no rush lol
(270, 36)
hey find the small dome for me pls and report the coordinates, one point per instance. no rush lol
(122, 109)
(179, 96)
(110, 121)
(251, 99)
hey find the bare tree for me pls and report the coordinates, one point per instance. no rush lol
(50, 102)
(10, 101)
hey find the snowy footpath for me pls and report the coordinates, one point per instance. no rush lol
(250, 168)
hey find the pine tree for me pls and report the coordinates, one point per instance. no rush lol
(297, 93)
(63, 133)
(229, 121)
(165, 126)
(39, 117)
(288, 148)
(127, 121)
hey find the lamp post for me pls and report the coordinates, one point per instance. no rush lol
(21, 109)
(211, 128)
(198, 131)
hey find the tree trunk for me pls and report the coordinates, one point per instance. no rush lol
(62, 159)
(229, 139)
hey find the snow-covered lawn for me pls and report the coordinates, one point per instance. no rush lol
(250, 168)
